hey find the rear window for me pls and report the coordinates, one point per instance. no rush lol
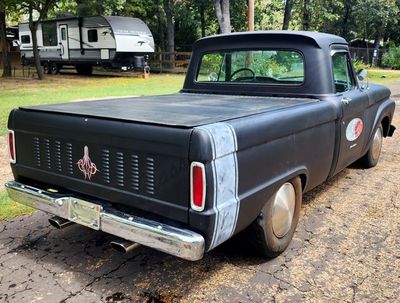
(270, 67)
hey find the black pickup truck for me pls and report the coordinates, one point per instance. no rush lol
(262, 118)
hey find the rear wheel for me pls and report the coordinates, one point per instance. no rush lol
(371, 158)
(86, 70)
(272, 231)
(54, 68)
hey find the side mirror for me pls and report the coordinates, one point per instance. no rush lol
(362, 75)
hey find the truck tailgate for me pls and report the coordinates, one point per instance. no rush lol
(141, 166)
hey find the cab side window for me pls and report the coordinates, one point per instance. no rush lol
(342, 74)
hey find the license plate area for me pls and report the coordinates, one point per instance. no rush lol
(84, 213)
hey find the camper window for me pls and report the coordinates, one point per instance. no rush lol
(92, 35)
(49, 30)
(63, 34)
(25, 39)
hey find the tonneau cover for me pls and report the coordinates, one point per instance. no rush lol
(181, 109)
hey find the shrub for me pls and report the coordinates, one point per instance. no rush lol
(392, 58)
(359, 65)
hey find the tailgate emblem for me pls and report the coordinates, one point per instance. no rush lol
(86, 166)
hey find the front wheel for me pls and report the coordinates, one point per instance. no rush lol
(272, 231)
(371, 158)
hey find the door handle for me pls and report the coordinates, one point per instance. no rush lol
(346, 100)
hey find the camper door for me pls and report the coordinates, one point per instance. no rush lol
(64, 41)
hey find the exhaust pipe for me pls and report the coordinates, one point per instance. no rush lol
(59, 222)
(124, 246)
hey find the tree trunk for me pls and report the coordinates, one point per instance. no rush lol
(168, 8)
(160, 26)
(223, 15)
(4, 50)
(346, 19)
(287, 15)
(33, 28)
(377, 41)
(306, 15)
(202, 19)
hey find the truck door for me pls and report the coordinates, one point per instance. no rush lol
(64, 42)
(354, 102)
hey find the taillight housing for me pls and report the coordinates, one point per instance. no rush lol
(197, 186)
(11, 146)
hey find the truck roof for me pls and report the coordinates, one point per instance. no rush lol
(320, 39)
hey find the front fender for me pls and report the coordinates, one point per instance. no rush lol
(385, 110)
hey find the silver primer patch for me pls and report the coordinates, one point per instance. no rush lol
(225, 175)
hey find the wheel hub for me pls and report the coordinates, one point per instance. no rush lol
(283, 209)
(377, 144)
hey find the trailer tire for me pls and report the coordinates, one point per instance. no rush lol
(54, 68)
(46, 68)
(85, 70)
(371, 158)
(273, 229)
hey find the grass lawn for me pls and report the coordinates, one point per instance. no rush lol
(383, 76)
(10, 209)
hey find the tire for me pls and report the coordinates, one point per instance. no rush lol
(371, 158)
(267, 234)
(85, 70)
(46, 68)
(54, 68)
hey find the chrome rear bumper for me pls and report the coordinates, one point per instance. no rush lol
(179, 242)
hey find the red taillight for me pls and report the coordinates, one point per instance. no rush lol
(11, 146)
(198, 186)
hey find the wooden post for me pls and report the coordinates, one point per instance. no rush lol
(251, 15)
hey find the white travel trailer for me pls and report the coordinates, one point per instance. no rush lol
(110, 41)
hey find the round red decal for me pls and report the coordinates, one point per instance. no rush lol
(354, 129)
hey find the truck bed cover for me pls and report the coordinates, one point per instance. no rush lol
(180, 110)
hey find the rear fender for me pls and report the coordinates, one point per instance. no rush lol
(252, 202)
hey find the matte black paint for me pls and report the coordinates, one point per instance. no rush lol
(281, 133)
(183, 110)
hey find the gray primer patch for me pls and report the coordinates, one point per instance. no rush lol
(225, 175)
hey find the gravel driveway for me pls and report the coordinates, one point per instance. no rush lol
(346, 249)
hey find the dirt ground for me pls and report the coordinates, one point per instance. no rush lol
(346, 249)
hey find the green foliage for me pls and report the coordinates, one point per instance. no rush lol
(392, 58)
(211, 63)
(269, 67)
(359, 65)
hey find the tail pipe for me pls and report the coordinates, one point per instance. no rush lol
(59, 222)
(124, 246)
